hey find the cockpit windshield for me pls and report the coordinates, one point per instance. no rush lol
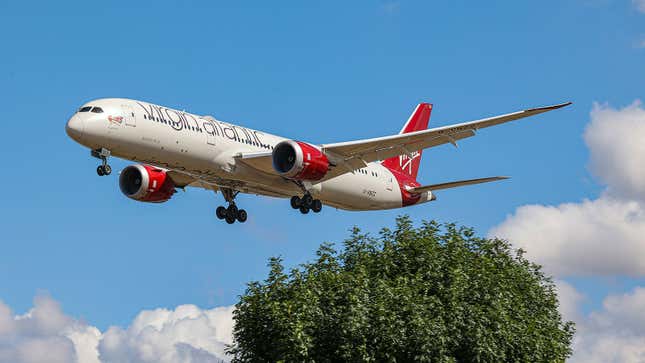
(97, 110)
(85, 109)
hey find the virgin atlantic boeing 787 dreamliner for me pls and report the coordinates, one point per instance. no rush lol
(176, 149)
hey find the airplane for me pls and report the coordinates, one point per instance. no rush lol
(176, 149)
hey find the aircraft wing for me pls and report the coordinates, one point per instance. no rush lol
(455, 184)
(348, 156)
(355, 154)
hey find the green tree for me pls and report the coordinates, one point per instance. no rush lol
(436, 293)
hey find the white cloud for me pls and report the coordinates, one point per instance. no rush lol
(605, 236)
(615, 141)
(594, 237)
(616, 333)
(640, 5)
(37, 336)
(45, 334)
(186, 334)
(569, 299)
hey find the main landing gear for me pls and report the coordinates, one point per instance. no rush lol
(232, 213)
(306, 203)
(104, 168)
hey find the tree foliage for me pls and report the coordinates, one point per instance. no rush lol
(436, 293)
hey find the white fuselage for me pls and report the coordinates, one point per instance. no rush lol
(205, 148)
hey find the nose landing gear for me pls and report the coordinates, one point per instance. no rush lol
(232, 213)
(306, 203)
(104, 168)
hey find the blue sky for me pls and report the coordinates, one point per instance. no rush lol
(317, 71)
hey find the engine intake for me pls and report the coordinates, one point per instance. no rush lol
(299, 161)
(146, 184)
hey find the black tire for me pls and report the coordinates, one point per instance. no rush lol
(304, 209)
(220, 212)
(316, 206)
(107, 170)
(232, 210)
(295, 202)
(241, 216)
(307, 200)
(230, 219)
(99, 170)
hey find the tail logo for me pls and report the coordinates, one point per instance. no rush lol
(405, 162)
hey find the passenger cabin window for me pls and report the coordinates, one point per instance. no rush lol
(85, 109)
(97, 110)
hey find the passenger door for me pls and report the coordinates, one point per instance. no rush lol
(209, 129)
(210, 138)
(129, 115)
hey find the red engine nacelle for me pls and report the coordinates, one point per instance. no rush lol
(146, 184)
(300, 161)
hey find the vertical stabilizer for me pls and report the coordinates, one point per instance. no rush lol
(409, 164)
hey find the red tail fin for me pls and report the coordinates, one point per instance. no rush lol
(417, 121)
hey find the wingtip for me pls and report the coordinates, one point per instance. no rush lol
(565, 104)
(552, 107)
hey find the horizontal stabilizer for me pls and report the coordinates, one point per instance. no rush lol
(455, 184)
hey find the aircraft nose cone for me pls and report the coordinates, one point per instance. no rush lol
(75, 128)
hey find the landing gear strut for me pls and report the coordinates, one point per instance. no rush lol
(104, 168)
(306, 203)
(232, 213)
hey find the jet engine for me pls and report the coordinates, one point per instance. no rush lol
(299, 161)
(146, 184)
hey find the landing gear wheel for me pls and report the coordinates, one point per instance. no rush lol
(304, 209)
(103, 170)
(230, 219)
(220, 212)
(296, 202)
(316, 206)
(232, 210)
(307, 200)
(241, 215)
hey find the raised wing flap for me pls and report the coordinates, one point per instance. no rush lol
(455, 184)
